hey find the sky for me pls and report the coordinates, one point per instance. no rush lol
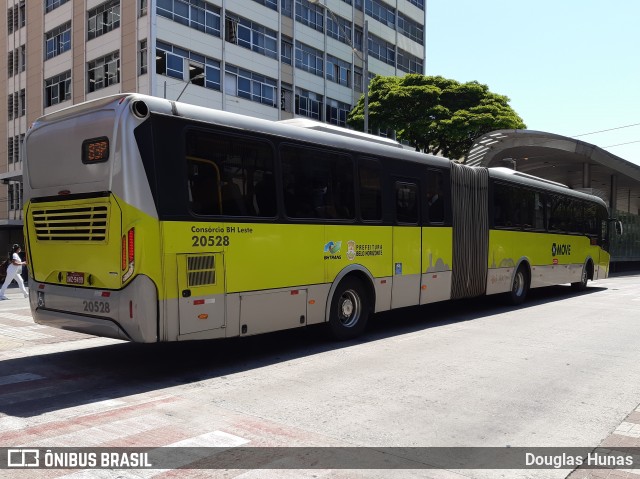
(569, 67)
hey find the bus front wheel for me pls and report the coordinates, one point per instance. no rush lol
(520, 286)
(584, 278)
(349, 310)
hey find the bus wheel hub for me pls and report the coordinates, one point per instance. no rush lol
(347, 308)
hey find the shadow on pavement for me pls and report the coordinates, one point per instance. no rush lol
(82, 376)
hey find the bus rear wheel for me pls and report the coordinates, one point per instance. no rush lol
(520, 286)
(349, 310)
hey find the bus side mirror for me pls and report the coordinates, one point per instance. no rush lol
(618, 226)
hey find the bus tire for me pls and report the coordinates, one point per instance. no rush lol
(584, 278)
(349, 310)
(519, 286)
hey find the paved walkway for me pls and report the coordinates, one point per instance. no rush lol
(20, 336)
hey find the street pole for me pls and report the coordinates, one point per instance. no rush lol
(365, 60)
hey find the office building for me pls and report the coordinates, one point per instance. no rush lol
(274, 59)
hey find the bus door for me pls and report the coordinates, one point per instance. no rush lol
(201, 299)
(407, 245)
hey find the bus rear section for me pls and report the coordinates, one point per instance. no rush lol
(84, 240)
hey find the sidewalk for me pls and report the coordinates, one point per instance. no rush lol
(13, 292)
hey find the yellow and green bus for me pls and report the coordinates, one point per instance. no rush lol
(149, 220)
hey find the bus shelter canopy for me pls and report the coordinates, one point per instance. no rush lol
(575, 163)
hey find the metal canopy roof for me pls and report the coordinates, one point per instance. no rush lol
(562, 159)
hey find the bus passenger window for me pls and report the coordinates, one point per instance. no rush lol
(435, 197)
(203, 188)
(265, 192)
(233, 175)
(370, 190)
(317, 183)
(407, 203)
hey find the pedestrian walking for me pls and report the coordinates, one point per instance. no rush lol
(13, 272)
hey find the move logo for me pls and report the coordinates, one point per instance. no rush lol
(560, 249)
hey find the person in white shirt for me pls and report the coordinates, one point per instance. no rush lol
(13, 272)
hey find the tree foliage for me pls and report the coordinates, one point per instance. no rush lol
(435, 114)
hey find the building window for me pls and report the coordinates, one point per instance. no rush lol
(103, 71)
(338, 71)
(251, 35)
(309, 59)
(381, 12)
(14, 147)
(10, 70)
(57, 41)
(22, 57)
(272, 4)
(286, 7)
(286, 98)
(409, 63)
(410, 28)
(250, 85)
(382, 50)
(358, 36)
(358, 75)
(336, 112)
(142, 56)
(103, 19)
(16, 104)
(53, 4)
(171, 60)
(16, 17)
(310, 15)
(17, 61)
(286, 50)
(308, 104)
(57, 89)
(10, 150)
(142, 10)
(341, 30)
(196, 14)
(417, 3)
(23, 102)
(15, 192)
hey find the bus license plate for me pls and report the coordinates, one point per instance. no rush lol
(75, 278)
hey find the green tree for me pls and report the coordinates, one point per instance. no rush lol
(435, 114)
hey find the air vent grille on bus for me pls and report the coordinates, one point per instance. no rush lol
(201, 270)
(82, 223)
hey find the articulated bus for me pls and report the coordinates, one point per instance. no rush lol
(149, 220)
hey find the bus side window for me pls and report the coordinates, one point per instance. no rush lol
(407, 203)
(435, 197)
(370, 176)
(265, 192)
(317, 183)
(203, 187)
(231, 177)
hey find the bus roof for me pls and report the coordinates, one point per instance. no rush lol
(338, 130)
(512, 176)
(299, 129)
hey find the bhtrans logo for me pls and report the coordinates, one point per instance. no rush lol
(560, 249)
